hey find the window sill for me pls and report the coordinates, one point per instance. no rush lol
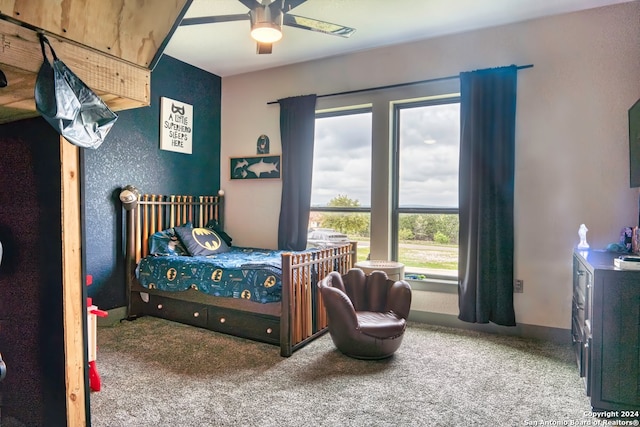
(446, 285)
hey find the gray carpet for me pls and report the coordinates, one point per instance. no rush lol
(159, 373)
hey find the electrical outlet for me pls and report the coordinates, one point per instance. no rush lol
(518, 286)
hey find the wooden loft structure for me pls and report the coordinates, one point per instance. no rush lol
(111, 45)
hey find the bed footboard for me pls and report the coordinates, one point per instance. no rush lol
(303, 316)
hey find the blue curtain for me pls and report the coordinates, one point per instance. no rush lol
(297, 129)
(486, 192)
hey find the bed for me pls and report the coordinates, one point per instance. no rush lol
(271, 296)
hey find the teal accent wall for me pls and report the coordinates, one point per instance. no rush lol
(131, 154)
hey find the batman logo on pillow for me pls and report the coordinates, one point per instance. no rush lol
(206, 238)
(201, 241)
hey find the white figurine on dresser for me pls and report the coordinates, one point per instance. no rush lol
(582, 233)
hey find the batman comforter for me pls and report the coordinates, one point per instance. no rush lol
(249, 273)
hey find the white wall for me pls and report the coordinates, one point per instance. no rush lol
(571, 138)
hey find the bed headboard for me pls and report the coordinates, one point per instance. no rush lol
(148, 213)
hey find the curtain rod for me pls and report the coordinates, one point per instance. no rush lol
(437, 79)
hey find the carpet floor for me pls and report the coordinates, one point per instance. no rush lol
(158, 373)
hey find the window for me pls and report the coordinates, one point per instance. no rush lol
(341, 185)
(425, 187)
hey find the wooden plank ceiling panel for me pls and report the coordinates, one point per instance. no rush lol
(132, 30)
(110, 45)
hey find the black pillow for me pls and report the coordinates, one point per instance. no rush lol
(201, 241)
(213, 224)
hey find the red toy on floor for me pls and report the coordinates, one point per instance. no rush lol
(92, 322)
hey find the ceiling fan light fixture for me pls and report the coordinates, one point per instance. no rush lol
(264, 32)
(266, 24)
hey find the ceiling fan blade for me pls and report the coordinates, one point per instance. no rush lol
(290, 4)
(276, 7)
(250, 3)
(319, 26)
(214, 19)
(263, 48)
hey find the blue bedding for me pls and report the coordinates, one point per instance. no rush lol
(249, 273)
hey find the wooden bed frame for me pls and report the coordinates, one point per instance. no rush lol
(291, 323)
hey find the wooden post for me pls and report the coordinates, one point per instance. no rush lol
(172, 211)
(138, 237)
(72, 285)
(132, 252)
(285, 307)
(152, 221)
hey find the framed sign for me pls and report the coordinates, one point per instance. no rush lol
(176, 125)
(258, 167)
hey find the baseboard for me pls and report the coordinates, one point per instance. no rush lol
(546, 333)
(555, 335)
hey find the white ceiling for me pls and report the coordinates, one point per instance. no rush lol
(227, 49)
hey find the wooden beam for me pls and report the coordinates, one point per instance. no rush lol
(72, 283)
(122, 85)
(21, 49)
(132, 30)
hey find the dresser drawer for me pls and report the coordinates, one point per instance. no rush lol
(586, 362)
(577, 311)
(577, 335)
(579, 283)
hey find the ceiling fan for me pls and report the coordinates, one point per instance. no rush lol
(267, 18)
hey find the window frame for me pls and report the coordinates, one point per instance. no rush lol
(336, 113)
(396, 210)
(343, 209)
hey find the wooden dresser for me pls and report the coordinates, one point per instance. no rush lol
(605, 328)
